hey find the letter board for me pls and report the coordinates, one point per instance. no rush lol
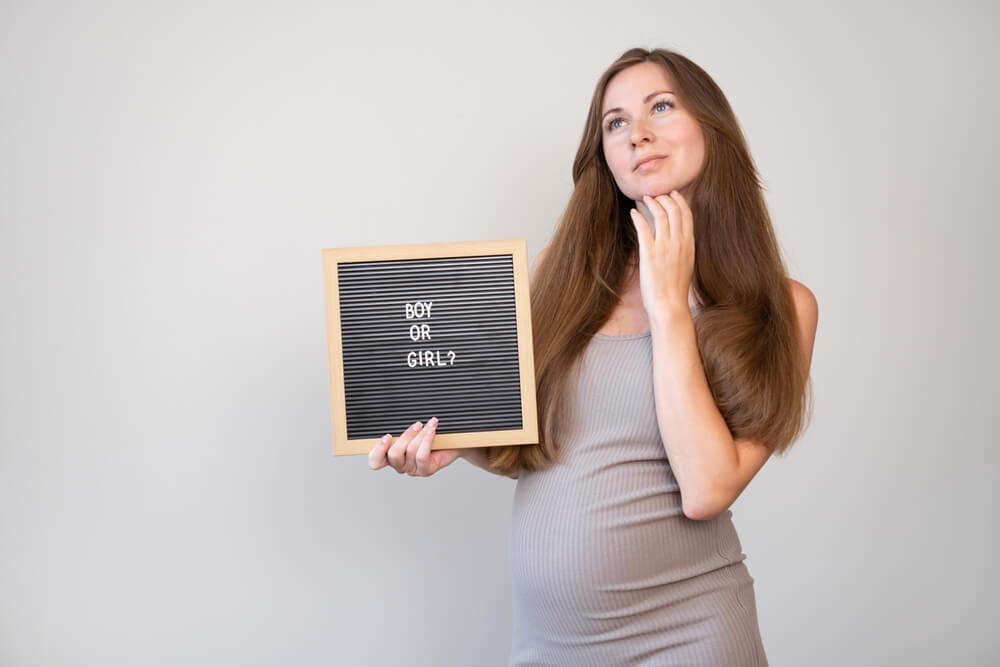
(425, 330)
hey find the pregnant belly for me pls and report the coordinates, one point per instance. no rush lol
(609, 544)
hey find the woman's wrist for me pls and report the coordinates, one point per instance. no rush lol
(477, 456)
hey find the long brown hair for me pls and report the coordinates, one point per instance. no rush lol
(746, 324)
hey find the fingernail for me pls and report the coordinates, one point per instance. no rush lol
(433, 421)
(385, 438)
(416, 425)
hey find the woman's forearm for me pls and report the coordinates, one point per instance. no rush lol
(698, 442)
(477, 457)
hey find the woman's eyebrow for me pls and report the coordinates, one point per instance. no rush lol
(644, 101)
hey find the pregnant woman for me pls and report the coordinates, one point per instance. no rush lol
(672, 357)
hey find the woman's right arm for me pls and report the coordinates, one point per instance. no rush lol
(411, 453)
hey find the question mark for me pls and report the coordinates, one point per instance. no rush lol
(451, 353)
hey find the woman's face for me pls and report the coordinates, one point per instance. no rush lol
(641, 118)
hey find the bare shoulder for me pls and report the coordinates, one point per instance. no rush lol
(807, 309)
(805, 301)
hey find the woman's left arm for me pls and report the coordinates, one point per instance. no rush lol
(711, 467)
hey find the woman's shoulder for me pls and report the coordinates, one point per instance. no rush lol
(799, 290)
(807, 312)
(805, 301)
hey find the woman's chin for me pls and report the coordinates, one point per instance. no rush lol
(653, 192)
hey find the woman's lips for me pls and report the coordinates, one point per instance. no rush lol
(650, 164)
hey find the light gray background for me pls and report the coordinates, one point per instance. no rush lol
(169, 175)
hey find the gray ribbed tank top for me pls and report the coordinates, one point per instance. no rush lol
(606, 568)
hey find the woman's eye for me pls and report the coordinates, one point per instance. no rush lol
(662, 103)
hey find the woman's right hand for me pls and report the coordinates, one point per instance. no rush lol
(412, 453)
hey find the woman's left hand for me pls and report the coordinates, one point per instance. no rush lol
(666, 261)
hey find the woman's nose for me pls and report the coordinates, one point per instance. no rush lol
(640, 132)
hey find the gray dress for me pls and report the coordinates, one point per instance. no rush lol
(606, 568)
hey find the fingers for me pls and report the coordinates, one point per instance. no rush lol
(422, 454)
(686, 217)
(641, 229)
(410, 454)
(666, 213)
(668, 257)
(672, 216)
(397, 453)
(376, 457)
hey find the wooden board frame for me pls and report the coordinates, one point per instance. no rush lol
(518, 250)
